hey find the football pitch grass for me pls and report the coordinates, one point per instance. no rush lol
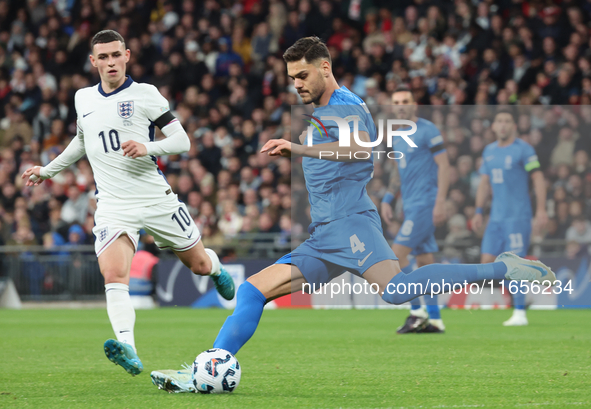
(304, 359)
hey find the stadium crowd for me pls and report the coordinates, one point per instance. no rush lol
(219, 64)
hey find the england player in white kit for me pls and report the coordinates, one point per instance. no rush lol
(116, 123)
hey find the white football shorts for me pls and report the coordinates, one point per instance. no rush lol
(169, 222)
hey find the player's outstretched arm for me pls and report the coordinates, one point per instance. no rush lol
(37, 174)
(481, 196)
(330, 151)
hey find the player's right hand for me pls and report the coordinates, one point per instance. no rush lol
(278, 147)
(386, 211)
(476, 222)
(33, 176)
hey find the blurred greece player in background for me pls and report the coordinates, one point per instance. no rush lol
(506, 167)
(422, 175)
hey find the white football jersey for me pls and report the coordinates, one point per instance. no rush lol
(105, 122)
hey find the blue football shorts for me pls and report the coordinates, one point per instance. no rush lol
(418, 231)
(353, 243)
(500, 236)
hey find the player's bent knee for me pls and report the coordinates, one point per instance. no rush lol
(115, 275)
(255, 282)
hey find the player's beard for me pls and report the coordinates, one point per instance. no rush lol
(316, 91)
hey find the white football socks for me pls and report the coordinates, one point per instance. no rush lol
(438, 323)
(215, 262)
(121, 312)
(421, 312)
(519, 313)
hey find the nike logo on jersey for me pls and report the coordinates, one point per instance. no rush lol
(85, 115)
(362, 262)
(190, 235)
(121, 332)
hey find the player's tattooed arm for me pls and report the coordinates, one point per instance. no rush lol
(481, 196)
(442, 162)
(541, 217)
(394, 185)
(393, 188)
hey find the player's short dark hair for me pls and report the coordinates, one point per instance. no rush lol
(404, 88)
(106, 36)
(506, 110)
(310, 48)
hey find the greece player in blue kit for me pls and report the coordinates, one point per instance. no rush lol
(422, 177)
(506, 166)
(345, 234)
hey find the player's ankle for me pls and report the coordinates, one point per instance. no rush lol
(437, 322)
(419, 313)
(215, 263)
(519, 313)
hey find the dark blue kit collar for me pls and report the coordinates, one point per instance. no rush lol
(125, 85)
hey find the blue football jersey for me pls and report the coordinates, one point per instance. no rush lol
(417, 168)
(337, 189)
(508, 168)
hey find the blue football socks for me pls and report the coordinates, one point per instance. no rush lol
(518, 297)
(242, 324)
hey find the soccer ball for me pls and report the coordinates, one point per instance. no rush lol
(216, 371)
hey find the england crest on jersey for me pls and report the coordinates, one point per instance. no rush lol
(125, 109)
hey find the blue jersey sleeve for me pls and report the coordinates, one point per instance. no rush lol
(358, 115)
(529, 158)
(484, 170)
(434, 141)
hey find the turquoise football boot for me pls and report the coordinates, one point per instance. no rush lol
(224, 284)
(123, 354)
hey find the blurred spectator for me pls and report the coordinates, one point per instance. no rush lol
(219, 65)
(458, 231)
(230, 222)
(76, 235)
(580, 231)
(75, 208)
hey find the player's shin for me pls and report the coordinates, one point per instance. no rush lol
(444, 275)
(518, 297)
(242, 324)
(121, 312)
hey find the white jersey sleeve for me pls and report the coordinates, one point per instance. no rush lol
(155, 105)
(157, 110)
(73, 152)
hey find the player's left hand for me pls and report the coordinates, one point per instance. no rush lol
(134, 149)
(278, 147)
(439, 212)
(33, 176)
(541, 219)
